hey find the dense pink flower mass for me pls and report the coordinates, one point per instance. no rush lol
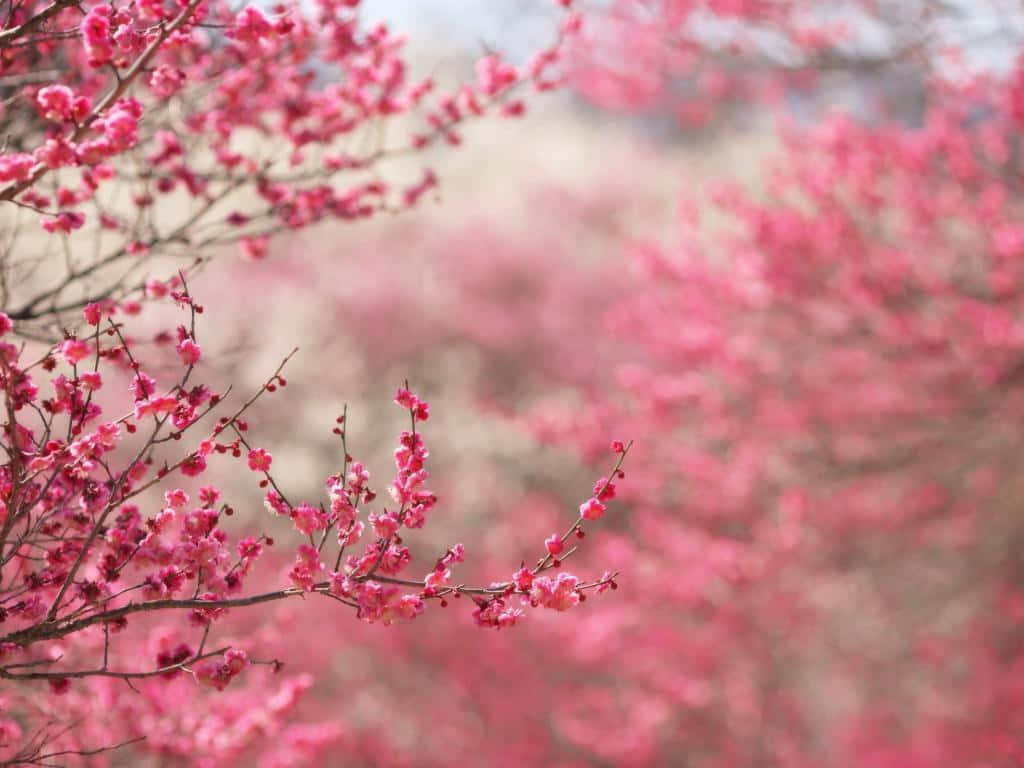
(183, 99)
(96, 556)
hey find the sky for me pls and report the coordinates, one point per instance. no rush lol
(468, 26)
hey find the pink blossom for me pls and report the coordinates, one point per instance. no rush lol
(96, 35)
(209, 495)
(92, 313)
(75, 350)
(275, 504)
(437, 578)
(405, 398)
(523, 579)
(250, 25)
(308, 519)
(155, 406)
(176, 499)
(217, 675)
(591, 509)
(16, 166)
(554, 544)
(384, 525)
(559, 593)
(93, 380)
(121, 125)
(165, 81)
(254, 248)
(65, 221)
(189, 352)
(496, 614)
(408, 607)
(494, 75)
(54, 102)
(156, 289)
(250, 548)
(259, 460)
(307, 569)
(142, 386)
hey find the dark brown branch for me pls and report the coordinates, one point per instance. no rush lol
(7, 35)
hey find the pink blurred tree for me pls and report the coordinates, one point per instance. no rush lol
(696, 59)
(820, 552)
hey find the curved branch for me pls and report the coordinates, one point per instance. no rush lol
(7, 35)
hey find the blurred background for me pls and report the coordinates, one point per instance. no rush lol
(776, 244)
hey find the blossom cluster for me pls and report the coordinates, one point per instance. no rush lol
(215, 109)
(110, 519)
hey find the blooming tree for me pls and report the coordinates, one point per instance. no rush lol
(168, 129)
(698, 59)
(140, 137)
